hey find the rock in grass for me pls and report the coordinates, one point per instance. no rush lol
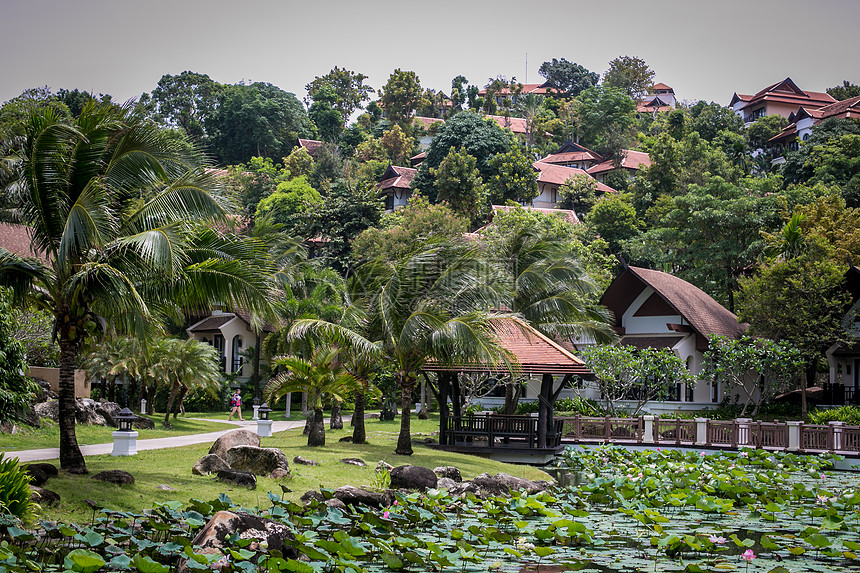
(44, 496)
(352, 495)
(445, 483)
(305, 461)
(258, 461)
(118, 477)
(41, 472)
(354, 462)
(486, 485)
(233, 439)
(312, 495)
(165, 487)
(236, 477)
(412, 477)
(449, 472)
(280, 473)
(209, 464)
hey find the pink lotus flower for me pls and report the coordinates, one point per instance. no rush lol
(718, 540)
(823, 476)
(385, 515)
(701, 454)
(395, 502)
(748, 555)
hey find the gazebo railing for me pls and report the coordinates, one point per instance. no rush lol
(499, 430)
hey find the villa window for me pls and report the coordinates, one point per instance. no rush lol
(238, 359)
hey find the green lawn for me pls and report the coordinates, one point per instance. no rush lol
(173, 468)
(48, 436)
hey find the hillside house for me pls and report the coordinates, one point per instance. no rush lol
(782, 98)
(551, 177)
(631, 163)
(801, 123)
(396, 186)
(573, 155)
(661, 98)
(658, 310)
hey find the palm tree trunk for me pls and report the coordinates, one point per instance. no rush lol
(256, 372)
(359, 436)
(316, 435)
(174, 390)
(543, 408)
(336, 420)
(71, 458)
(183, 391)
(404, 440)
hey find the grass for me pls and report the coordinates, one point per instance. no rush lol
(48, 436)
(172, 467)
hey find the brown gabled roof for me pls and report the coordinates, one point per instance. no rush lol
(416, 160)
(527, 89)
(396, 177)
(212, 323)
(18, 240)
(310, 145)
(515, 124)
(535, 353)
(787, 91)
(661, 86)
(846, 108)
(629, 160)
(560, 174)
(702, 312)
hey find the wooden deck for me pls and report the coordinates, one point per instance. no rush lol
(504, 438)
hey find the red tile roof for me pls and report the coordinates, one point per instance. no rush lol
(17, 240)
(559, 175)
(704, 314)
(310, 145)
(661, 86)
(630, 160)
(396, 178)
(534, 352)
(787, 91)
(515, 124)
(845, 108)
(527, 89)
(212, 323)
(571, 157)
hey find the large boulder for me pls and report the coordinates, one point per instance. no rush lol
(449, 472)
(49, 409)
(351, 495)
(109, 411)
(209, 464)
(233, 439)
(218, 534)
(412, 477)
(41, 472)
(143, 423)
(486, 485)
(85, 412)
(118, 477)
(44, 496)
(258, 461)
(240, 478)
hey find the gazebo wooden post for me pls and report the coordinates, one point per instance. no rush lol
(443, 408)
(544, 406)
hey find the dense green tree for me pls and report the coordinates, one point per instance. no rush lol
(579, 193)
(112, 206)
(459, 183)
(708, 119)
(604, 117)
(459, 92)
(290, 204)
(253, 181)
(614, 219)
(568, 78)
(846, 91)
(397, 145)
(515, 178)
(400, 96)
(256, 120)
(481, 138)
(17, 391)
(349, 89)
(188, 100)
(759, 133)
(631, 75)
(324, 114)
(185, 365)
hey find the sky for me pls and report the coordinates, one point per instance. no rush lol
(704, 50)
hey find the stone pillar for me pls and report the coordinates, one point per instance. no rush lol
(744, 432)
(648, 430)
(142, 406)
(256, 415)
(701, 431)
(837, 434)
(124, 443)
(793, 436)
(264, 428)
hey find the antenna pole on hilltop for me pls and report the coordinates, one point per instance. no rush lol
(527, 68)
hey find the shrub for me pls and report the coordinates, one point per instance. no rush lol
(848, 414)
(15, 490)
(579, 405)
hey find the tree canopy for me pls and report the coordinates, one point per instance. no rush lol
(567, 77)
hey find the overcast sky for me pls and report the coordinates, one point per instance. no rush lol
(704, 50)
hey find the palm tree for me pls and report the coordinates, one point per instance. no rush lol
(320, 377)
(432, 305)
(186, 364)
(117, 209)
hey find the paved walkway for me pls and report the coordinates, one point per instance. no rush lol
(156, 443)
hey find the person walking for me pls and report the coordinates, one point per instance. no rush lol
(236, 404)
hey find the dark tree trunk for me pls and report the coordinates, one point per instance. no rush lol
(336, 420)
(456, 404)
(309, 417)
(404, 440)
(183, 391)
(71, 458)
(359, 436)
(112, 390)
(443, 407)
(316, 435)
(543, 408)
(174, 390)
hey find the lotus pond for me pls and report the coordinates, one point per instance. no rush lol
(627, 511)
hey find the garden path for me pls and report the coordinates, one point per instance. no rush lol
(157, 443)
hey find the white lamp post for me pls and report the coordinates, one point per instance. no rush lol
(264, 424)
(125, 438)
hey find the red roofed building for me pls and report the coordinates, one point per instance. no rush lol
(782, 98)
(800, 124)
(661, 98)
(518, 125)
(631, 162)
(396, 186)
(573, 155)
(310, 145)
(551, 177)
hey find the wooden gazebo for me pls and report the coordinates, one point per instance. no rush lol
(504, 436)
